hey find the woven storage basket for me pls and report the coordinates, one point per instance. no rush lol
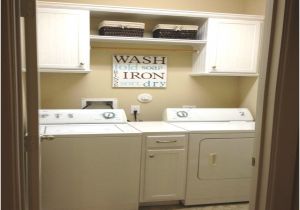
(175, 31)
(119, 28)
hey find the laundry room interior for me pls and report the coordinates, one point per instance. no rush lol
(185, 135)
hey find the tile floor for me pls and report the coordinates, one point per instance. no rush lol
(242, 206)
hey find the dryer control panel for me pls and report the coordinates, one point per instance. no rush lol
(206, 114)
(81, 116)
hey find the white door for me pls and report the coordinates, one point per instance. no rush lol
(232, 46)
(164, 174)
(225, 158)
(63, 39)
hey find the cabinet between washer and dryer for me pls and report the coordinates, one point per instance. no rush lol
(163, 167)
(163, 162)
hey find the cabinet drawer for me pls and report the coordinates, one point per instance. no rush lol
(166, 141)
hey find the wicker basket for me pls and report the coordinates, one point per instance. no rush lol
(175, 31)
(119, 28)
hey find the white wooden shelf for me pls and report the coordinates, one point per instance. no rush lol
(146, 40)
(202, 74)
(64, 71)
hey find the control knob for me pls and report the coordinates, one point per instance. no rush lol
(182, 114)
(44, 115)
(108, 115)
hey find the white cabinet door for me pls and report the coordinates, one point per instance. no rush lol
(63, 39)
(165, 172)
(232, 45)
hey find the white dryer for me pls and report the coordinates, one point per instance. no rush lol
(220, 153)
(90, 159)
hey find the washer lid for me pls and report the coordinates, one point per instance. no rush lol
(79, 129)
(216, 126)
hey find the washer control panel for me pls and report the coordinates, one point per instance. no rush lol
(81, 116)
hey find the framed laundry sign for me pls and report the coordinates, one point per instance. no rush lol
(136, 71)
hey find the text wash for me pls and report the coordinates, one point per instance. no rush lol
(132, 59)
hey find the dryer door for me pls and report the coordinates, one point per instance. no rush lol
(225, 158)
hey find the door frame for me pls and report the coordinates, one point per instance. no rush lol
(12, 185)
(28, 11)
(276, 110)
(22, 191)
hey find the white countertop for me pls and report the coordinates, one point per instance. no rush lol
(155, 127)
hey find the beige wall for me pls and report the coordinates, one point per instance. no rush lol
(256, 7)
(66, 90)
(248, 93)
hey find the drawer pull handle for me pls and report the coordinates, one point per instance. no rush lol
(170, 141)
(151, 156)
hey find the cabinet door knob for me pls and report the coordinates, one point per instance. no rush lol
(151, 156)
(81, 63)
(214, 67)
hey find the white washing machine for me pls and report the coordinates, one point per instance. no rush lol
(90, 159)
(220, 153)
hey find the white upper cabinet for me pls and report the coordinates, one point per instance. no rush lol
(226, 44)
(232, 46)
(63, 40)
